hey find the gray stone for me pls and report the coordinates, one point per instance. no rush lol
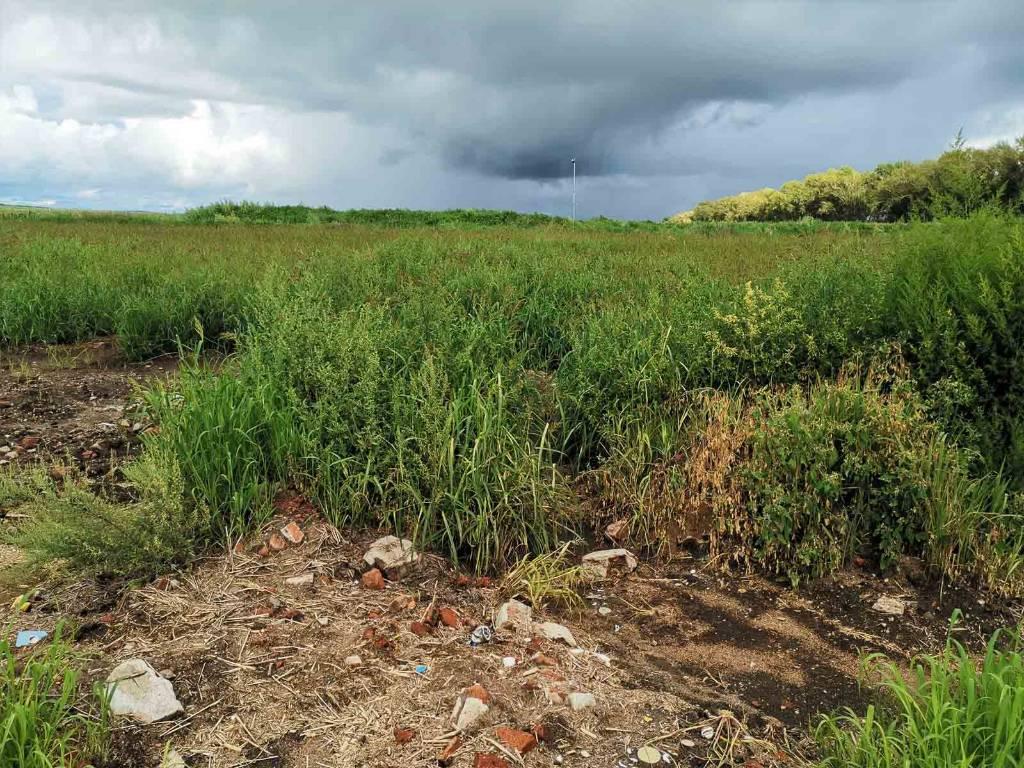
(137, 691)
(598, 563)
(392, 555)
(513, 614)
(553, 631)
(580, 701)
(468, 709)
(890, 605)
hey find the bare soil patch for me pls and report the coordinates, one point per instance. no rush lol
(72, 405)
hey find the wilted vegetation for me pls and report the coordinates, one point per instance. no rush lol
(960, 182)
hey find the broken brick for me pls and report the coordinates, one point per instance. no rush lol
(264, 551)
(489, 760)
(449, 618)
(373, 579)
(544, 660)
(520, 741)
(277, 542)
(420, 629)
(402, 603)
(293, 533)
(449, 750)
(404, 735)
(477, 691)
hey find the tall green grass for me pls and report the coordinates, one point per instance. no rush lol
(948, 712)
(485, 389)
(43, 723)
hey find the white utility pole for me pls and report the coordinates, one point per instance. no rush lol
(573, 161)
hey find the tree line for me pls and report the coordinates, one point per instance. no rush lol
(959, 182)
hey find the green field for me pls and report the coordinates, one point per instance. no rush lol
(491, 389)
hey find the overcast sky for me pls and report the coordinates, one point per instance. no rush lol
(468, 103)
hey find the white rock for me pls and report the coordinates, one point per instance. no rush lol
(300, 580)
(553, 631)
(598, 563)
(468, 709)
(136, 690)
(173, 760)
(580, 701)
(513, 614)
(392, 555)
(353, 661)
(890, 605)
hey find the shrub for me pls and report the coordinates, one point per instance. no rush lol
(89, 534)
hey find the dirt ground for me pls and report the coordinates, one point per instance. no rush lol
(708, 669)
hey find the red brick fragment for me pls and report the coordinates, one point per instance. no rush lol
(404, 735)
(449, 750)
(373, 579)
(420, 629)
(477, 691)
(488, 760)
(277, 542)
(293, 533)
(520, 741)
(450, 618)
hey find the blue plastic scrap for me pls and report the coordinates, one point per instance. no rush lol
(28, 637)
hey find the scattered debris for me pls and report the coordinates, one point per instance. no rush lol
(304, 579)
(373, 579)
(600, 562)
(707, 732)
(421, 669)
(890, 605)
(293, 533)
(353, 661)
(449, 750)
(508, 662)
(404, 735)
(27, 637)
(604, 610)
(421, 629)
(580, 701)
(393, 556)
(553, 631)
(513, 614)
(489, 760)
(137, 691)
(617, 531)
(470, 707)
(649, 755)
(519, 741)
(449, 618)
(481, 635)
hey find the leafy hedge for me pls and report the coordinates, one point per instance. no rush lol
(960, 182)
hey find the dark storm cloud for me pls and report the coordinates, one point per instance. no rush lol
(686, 99)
